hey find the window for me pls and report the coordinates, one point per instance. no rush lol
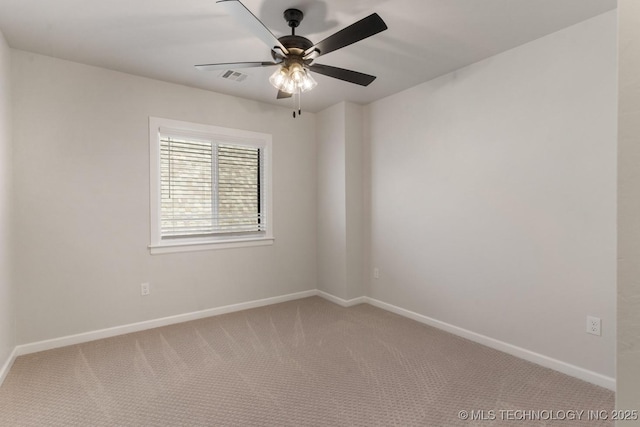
(210, 187)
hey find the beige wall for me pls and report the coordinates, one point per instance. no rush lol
(7, 292)
(493, 196)
(628, 367)
(82, 202)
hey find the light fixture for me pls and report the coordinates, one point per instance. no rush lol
(294, 55)
(293, 78)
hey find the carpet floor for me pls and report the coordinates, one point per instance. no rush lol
(301, 363)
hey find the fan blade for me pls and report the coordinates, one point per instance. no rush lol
(342, 74)
(232, 65)
(282, 94)
(362, 29)
(244, 16)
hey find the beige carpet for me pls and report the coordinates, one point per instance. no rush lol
(301, 363)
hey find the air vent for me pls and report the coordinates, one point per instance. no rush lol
(233, 75)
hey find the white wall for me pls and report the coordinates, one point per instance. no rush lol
(628, 356)
(332, 220)
(493, 196)
(354, 116)
(340, 200)
(82, 202)
(7, 305)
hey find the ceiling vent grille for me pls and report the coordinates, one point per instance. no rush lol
(233, 75)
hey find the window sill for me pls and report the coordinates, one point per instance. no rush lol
(168, 248)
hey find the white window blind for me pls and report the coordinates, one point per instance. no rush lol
(209, 188)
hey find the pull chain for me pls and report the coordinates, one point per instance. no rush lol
(294, 104)
(297, 94)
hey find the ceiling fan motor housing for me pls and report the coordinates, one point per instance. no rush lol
(296, 44)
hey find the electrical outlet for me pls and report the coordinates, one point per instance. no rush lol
(376, 273)
(593, 325)
(145, 289)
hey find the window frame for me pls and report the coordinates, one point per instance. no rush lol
(219, 135)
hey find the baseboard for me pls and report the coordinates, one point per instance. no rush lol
(340, 301)
(155, 323)
(539, 359)
(4, 370)
(542, 360)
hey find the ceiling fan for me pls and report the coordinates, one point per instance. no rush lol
(295, 54)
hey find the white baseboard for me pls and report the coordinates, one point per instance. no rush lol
(542, 360)
(155, 323)
(4, 370)
(539, 359)
(341, 302)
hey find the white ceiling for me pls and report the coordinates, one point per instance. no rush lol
(163, 39)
